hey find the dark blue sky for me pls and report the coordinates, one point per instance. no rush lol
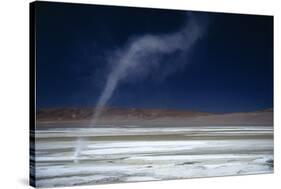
(229, 69)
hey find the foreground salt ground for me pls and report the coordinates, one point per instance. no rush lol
(109, 154)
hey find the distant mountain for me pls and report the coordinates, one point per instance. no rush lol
(263, 118)
(114, 112)
(152, 117)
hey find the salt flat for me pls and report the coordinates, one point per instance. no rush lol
(112, 153)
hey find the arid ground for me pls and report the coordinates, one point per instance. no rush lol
(128, 145)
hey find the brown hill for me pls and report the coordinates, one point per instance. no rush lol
(113, 112)
(151, 117)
